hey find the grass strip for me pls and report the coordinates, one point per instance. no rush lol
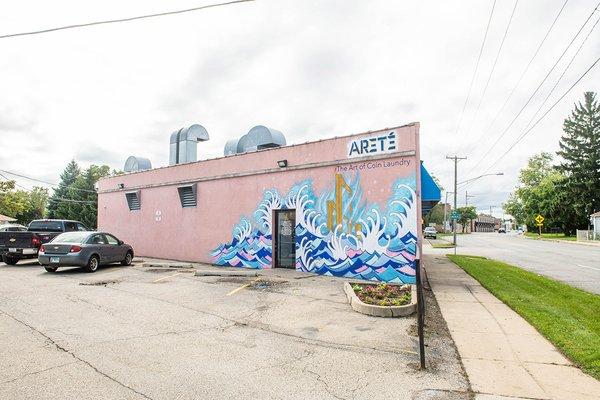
(567, 316)
(442, 245)
(557, 236)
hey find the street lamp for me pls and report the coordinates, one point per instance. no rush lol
(480, 176)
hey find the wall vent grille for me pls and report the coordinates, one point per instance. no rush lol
(133, 201)
(187, 195)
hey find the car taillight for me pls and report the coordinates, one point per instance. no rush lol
(75, 249)
(35, 242)
(43, 249)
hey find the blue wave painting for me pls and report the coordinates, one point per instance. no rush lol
(377, 245)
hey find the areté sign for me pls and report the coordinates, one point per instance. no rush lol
(372, 145)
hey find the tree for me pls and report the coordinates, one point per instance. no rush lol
(541, 191)
(12, 202)
(37, 199)
(58, 208)
(435, 215)
(84, 206)
(467, 214)
(580, 152)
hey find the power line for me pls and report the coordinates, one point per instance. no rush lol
(487, 84)
(53, 199)
(526, 132)
(127, 19)
(487, 130)
(487, 28)
(561, 75)
(535, 91)
(41, 181)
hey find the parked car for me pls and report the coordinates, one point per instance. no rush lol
(502, 230)
(12, 228)
(84, 249)
(430, 232)
(18, 245)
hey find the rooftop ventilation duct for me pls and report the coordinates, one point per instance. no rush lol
(258, 138)
(134, 164)
(184, 144)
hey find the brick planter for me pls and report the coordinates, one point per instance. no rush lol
(380, 311)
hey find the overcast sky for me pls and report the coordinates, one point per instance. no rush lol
(310, 68)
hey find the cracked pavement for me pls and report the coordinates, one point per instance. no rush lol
(63, 337)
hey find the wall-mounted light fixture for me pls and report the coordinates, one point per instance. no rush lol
(121, 186)
(282, 163)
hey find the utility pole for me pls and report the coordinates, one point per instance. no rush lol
(455, 158)
(467, 198)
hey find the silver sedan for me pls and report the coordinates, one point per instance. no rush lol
(84, 249)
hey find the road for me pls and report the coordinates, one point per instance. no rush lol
(139, 333)
(575, 264)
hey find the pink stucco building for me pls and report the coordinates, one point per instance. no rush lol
(346, 206)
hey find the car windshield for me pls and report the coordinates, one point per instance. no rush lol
(429, 229)
(71, 237)
(45, 226)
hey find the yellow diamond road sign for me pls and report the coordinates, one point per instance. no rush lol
(539, 219)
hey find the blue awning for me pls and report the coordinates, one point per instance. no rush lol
(430, 192)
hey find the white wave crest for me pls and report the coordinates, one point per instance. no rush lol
(308, 218)
(305, 261)
(264, 212)
(373, 232)
(336, 245)
(243, 230)
(407, 218)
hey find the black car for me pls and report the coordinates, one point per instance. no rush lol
(15, 245)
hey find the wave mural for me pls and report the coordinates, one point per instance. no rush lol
(337, 233)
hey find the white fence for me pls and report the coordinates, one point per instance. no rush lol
(585, 235)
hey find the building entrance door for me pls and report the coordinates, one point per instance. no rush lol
(285, 239)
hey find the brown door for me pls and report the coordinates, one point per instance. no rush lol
(285, 239)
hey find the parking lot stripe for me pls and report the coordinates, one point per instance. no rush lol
(167, 277)
(234, 291)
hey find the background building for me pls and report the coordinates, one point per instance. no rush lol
(485, 223)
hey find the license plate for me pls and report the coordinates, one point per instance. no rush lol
(12, 250)
(54, 259)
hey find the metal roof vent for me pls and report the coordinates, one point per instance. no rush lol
(258, 138)
(184, 143)
(133, 164)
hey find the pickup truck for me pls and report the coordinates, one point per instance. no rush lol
(15, 246)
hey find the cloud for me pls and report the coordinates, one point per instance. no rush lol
(311, 68)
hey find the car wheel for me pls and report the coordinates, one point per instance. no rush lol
(10, 260)
(92, 265)
(51, 269)
(128, 259)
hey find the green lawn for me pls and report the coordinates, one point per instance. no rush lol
(568, 317)
(560, 236)
(442, 245)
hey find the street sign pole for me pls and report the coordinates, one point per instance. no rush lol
(539, 222)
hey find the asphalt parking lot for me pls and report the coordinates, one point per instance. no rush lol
(158, 333)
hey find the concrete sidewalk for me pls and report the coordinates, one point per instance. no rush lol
(502, 354)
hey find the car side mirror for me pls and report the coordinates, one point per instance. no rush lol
(120, 242)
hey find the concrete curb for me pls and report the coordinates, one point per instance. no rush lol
(227, 273)
(167, 265)
(590, 243)
(380, 311)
